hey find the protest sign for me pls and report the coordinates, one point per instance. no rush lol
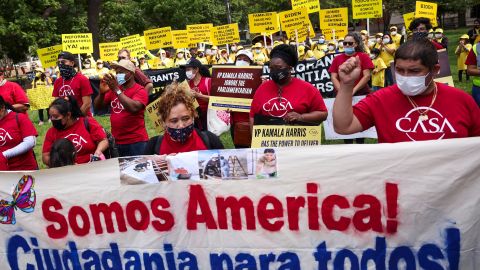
(77, 43)
(427, 10)
(158, 38)
(49, 56)
(408, 18)
(153, 113)
(134, 43)
(109, 51)
(286, 136)
(263, 23)
(294, 20)
(163, 77)
(40, 97)
(233, 87)
(334, 19)
(385, 205)
(200, 33)
(364, 9)
(302, 33)
(180, 39)
(311, 5)
(226, 34)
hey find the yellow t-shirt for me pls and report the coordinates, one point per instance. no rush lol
(318, 54)
(462, 57)
(386, 57)
(378, 79)
(396, 39)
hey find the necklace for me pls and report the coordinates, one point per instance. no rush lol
(280, 91)
(423, 114)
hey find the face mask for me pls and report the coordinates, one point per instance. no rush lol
(234, 49)
(420, 35)
(430, 36)
(58, 124)
(331, 48)
(121, 78)
(258, 51)
(438, 35)
(379, 40)
(280, 76)
(180, 55)
(67, 72)
(189, 74)
(393, 33)
(99, 66)
(412, 85)
(87, 66)
(214, 51)
(200, 55)
(180, 134)
(349, 50)
(386, 40)
(373, 56)
(340, 44)
(321, 41)
(242, 63)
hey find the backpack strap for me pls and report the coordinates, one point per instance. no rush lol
(205, 138)
(158, 144)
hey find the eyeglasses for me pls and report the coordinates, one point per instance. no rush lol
(347, 43)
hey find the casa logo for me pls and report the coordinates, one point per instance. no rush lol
(77, 140)
(4, 135)
(117, 107)
(65, 91)
(416, 128)
(277, 107)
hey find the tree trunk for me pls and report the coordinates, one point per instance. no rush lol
(462, 18)
(93, 15)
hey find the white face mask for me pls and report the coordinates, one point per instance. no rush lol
(386, 40)
(190, 74)
(379, 40)
(331, 48)
(234, 49)
(393, 33)
(179, 55)
(242, 63)
(438, 35)
(321, 41)
(99, 65)
(340, 44)
(258, 51)
(430, 35)
(412, 85)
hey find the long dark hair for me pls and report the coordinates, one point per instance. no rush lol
(4, 104)
(358, 39)
(62, 153)
(66, 105)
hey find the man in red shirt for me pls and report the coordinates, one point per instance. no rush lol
(140, 77)
(127, 100)
(13, 94)
(473, 69)
(72, 83)
(414, 109)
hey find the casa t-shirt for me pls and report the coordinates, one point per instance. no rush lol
(85, 142)
(12, 132)
(203, 87)
(13, 93)
(298, 96)
(128, 127)
(454, 114)
(78, 86)
(365, 63)
(193, 143)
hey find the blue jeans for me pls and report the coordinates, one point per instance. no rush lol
(388, 77)
(476, 94)
(133, 149)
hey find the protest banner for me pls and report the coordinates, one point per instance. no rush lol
(163, 77)
(158, 38)
(109, 51)
(134, 43)
(233, 87)
(263, 23)
(40, 97)
(311, 5)
(153, 113)
(427, 10)
(49, 56)
(77, 43)
(408, 18)
(365, 9)
(200, 33)
(330, 133)
(294, 20)
(334, 19)
(180, 39)
(401, 206)
(286, 136)
(226, 34)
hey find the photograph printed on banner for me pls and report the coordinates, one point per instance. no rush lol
(266, 164)
(234, 164)
(209, 165)
(143, 169)
(184, 166)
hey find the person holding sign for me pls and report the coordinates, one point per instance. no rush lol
(440, 38)
(285, 99)
(414, 109)
(140, 78)
(13, 94)
(259, 57)
(200, 83)
(396, 37)
(41, 79)
(387, 49)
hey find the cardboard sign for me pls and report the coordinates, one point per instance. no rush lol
(109, 50)
(311, 5)
(294, 20)
(200, 33)
(153, 113)
(363, 9)
(427, 10)
(49, 56)
(40, 97)
(134, 43)
(233, 87)
(180, 39)
(286, 136)
(334, 19)
(226, 34)
(77, 43)
(408, 18)
(263, 23)
(158, 38)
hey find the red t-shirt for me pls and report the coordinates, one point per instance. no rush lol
(13, 93)
(453, 115)
(128, 127)
(203, 87)
(85, 142)
(471, 58)
(78, 86)
(169, 146)
(437, 45)
(12, 134)
(365, 62)
(298, 96)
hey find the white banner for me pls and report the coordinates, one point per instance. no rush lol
(388, 206)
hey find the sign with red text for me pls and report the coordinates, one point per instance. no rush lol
(388, 206)
(77, 43)
(364, 9)
(225, 34)
(294, 20)
(426, 10)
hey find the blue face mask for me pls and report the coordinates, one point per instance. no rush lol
(349, 50)
(121, 78)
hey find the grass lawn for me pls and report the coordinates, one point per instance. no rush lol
(452, 35)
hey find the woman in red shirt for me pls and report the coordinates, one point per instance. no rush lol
(17, 139)
(177, 114)
(86, 134)
(200, 83)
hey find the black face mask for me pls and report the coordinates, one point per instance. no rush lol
(420, 35)
(58, 124)
(67, 72)
(280, 76)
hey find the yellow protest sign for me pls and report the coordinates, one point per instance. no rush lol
(303, 32)
(311, 5)
(226, 34)
(153, 114)
(200, 33)
(109, 51)
(294, 20)
(286, 136)
(263, 23)
(48, 56)
(77, 43)
(40, 97)
(426, 10)
(364, 9)
(334, 19)
(158, 38)
(134, 43)
(180, 39)
(408, 18)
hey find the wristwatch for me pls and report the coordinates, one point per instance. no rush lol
(118, 92)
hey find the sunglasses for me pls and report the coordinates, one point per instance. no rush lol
(348, 43)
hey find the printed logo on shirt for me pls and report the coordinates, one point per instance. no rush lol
(117, 106)
(4, 135)
(414, 126)
(77, 141)
(66, 90)
(277, 107)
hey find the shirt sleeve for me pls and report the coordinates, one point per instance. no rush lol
(96, 130)
(85, 86)
(48, 141)
(19, 95)
(471, 59)
(141, 95)
(362, 110)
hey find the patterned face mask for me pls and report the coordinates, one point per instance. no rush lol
(180, 134)
(67, 72)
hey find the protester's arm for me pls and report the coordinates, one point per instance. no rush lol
(21, 108)
(21, 148)
(335, 80)
(149, 87)
(390, 49)
(101, 147)
(311, 117)
(472, 70)
(130, 104)
(363, 81)
(87, 103)
(46, 158)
